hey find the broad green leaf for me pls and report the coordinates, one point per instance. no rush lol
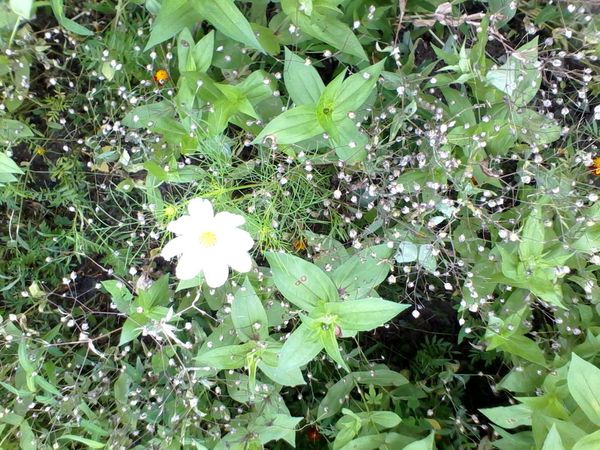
(509, 417)
(589, 442)
(368, 442)
(532, 237)
(23, 355)
(524, 347)
(228, 19)
(301, 347)
(332, 348)
(292, 126)
(203, 52)
(520, 77)
(8, 167)
(146, 116)
(362, 272)
(185, 44)
(326, 105)
(28, 440)
(302, 80)
(119, 293)
(131, 329)
(22, 8)
(89, 442)
(553, 440)
(300, 282)
(386, 419)
(121, 388)
(174, 16)
(12, 130)
(424, 444)
(281, 426)
(365, 314)
(348, 141)
(535, 128)
(286, 376)
(227, 357)
(333, 32)
(407, 252)
(459, 105)
(356, 89)
(268, 40)
(583, 380)
(248, 314)
(68, 24)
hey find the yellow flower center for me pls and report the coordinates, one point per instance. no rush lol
(208, 238)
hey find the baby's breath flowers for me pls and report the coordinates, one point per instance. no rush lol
(208, 243)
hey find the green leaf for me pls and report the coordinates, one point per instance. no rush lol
(13, 130)
(286, 376)
(227, 18)
(532, 237)
(407, 252)
(89, 442)
(589, 442)
(280, 426)
(333, 32)
(301, 80)
(509, 417)
(27, 440)
(226, 357)
(8, 166)
(24, 360)
(248, 314)
(423, 444)
(524, 347)
(68, 24)
(119, 293)
(583, 380)
(45, 385)
(301, 347)
(174, 16)
(348, 141)
(146, 116)
(203, 52)
(300, 282)
(535, 128)
(292, 126)
(332, 348)
(459, 105)
(553, 440)
(121, 388)
(22, 8)
(365, 314)
(356, 89)
(519, 77)
(131, 330)
(363, 271)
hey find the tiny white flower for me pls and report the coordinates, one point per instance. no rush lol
(208, 243)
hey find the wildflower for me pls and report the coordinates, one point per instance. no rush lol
(208, 243)
(596, 166)
(161, 77)
(299, 245)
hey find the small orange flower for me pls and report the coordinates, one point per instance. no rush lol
(161, 77)
(596, 166)
(299, 245)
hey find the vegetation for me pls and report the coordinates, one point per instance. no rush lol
(406, 193)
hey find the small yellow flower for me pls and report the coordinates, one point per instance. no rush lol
(596, 166)
(40, 151)
(161, 77)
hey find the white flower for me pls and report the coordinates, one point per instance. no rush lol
(208, 243)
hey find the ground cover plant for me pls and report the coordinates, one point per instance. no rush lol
(313, 224)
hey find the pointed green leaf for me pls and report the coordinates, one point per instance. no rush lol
(300, 282)
(292, 126)
(248, 314)
(583, 380)
(302, 80)
(301, 347)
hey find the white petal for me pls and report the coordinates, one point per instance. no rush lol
(226, 219)
(174, 247)
(215, 273)
(201, 209)
(183, 225)
(240, 261)
(236, 240)
(188, 266)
